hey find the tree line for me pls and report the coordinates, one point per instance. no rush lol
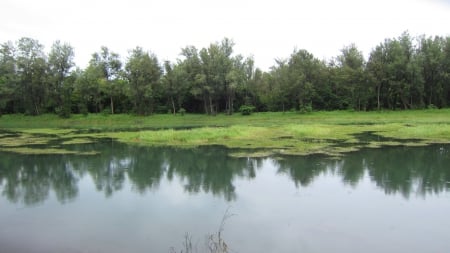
(400, 73)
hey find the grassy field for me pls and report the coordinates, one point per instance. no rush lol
(259, 134)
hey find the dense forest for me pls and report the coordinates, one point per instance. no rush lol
(400, 73)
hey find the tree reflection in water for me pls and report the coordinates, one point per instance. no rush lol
(30, 179)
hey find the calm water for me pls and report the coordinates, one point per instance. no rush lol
(136, 199)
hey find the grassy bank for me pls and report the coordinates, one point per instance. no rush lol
(267, 133)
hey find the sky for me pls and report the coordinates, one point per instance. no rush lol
(265, 30)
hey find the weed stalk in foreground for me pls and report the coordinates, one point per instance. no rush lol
(214, 242)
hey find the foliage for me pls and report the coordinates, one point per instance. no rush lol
(400, 73)
(182, 111)
(143, 73)
(246, 109)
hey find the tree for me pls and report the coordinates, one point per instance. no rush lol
(431, 59)
(31, 71)
(276, 92)
(351, 80)
(217, 63)
(377, 71)
(175, 84)
(304, 75)
(109, 65)
(8, 77)
(446, 69)
(192, 67)
(60, 62)
(87, 90)
(143, 74)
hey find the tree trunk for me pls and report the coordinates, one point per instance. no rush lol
(211, 107)
(173, 105)
(205, 105)
(231, 106)
(378, 96)
(112, 104)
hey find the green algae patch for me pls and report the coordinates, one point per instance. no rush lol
(41, 142)
(46, 151)
(24, 140)
(77, 141)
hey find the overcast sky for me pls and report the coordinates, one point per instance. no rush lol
(264, 29)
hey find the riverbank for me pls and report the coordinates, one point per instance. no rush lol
(260, 134)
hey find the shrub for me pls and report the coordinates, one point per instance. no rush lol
(106, 112)
(306, 108)
(246, 109)
(182, 111)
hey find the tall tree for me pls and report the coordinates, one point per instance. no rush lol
(217, 64)
(109, 65)
(87, 92)
(304, 74)
(192, 67)
(8, 77)
(175, 84)
(446, 69)
(376, 67)
(277, 93)
(351, 79)
(431, 59)
(60, 62)
(31, 69)
(143, 73)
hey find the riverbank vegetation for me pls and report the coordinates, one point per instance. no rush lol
(400, 73)
(259, 134)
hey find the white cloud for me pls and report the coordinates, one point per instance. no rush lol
(265, 29)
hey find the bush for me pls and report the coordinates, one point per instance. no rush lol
(182, 111)
(306, 108)
(246, 109)
(106, 112)
(63, 111)
(162, 109)
(83, 109)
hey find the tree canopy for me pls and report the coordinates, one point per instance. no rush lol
(400, 73)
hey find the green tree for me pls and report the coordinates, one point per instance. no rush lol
(60, 62)
(431, 57)
(8, 77)
(32, 75)
(87, 90)
(376, 69)
(276, 92)
(192, 67)
(446, 69)
(304, 75)
(109, 65)
(175, 85)
(353, 91)
(143, 73)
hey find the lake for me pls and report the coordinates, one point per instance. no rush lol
(143, 199)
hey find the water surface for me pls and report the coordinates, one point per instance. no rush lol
(140, 199)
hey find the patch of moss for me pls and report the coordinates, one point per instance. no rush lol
(45, 151)
(77, 141)
(24, 140)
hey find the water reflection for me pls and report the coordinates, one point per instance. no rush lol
(30, 179)
(406, 171)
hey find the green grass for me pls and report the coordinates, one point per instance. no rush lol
(259, 134)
